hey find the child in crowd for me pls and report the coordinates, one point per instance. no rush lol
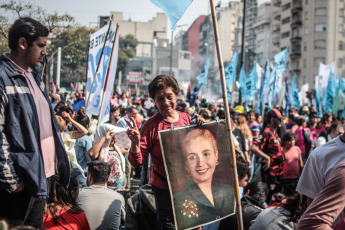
(293, 164)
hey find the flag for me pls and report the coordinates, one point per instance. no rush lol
(248, 84)
(323, 76)
(258, 107)
(100, 84)
(341, 85)
(72, 87)
(279, 68)
(76, 106)
(202, 78)
(327, 99)
(293, 96)
(318, 102)
(230, 75)
(265, 79)
(53, 87)
(173, 9)
(76, 88)
(287, 102)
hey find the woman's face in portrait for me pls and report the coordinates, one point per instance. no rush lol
(201, 159)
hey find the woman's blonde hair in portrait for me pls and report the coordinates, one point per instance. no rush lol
(195, 133)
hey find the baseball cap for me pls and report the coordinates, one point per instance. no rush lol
(239, 109)
(274, 113)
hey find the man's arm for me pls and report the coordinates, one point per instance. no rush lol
(255, 149)
(9, 180)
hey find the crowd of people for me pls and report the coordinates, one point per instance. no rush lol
(60, 170)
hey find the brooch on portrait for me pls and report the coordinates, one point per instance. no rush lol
(190, 209)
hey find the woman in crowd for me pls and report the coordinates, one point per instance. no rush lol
(302, 135)
(163, 90)
(105, 149)
(202, 199)
(84, 143)
(69, 142)
(62, 210)
(254, 127)
(326, 121)
(242, 125)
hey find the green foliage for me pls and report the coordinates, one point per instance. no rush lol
(127, 47)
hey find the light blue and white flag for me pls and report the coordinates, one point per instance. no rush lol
(266, 79)
(230, 75)
(327, 100)
(202, 78)
(97, 40)
(287, 101)
(248, 84)
(294, 93)
(173, 9)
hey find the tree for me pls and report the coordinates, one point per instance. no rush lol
(127, 47)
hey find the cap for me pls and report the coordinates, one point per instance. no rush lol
(305, 109)
(239, 109)
(274, 113)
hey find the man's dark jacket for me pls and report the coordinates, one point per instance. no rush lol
(20, 143)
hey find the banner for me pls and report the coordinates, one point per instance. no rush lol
(327, 100)
(173, 9)
(230, 75)
(96, 44)
(248, 84)
(324, 71)
(202, 78)
(294, 94)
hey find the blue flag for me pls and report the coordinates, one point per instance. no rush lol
(230, 75)
(327, 100)
(248, 84)
(202, 78)
(76, 106)
(173, 9)
(293, 96)
(287, 102)
(341, 85)
(265, 78)
(318, 102)
(280, 61)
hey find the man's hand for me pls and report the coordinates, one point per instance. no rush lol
(66, 116)
(266, 163)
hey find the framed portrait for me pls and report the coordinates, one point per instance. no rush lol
(200, 173)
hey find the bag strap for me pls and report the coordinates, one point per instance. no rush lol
(160, 176)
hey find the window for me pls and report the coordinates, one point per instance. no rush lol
(305, 47)
(306, 15)
(286, 20)
(320, 44)
(341, 12)
(320, 11)
(341, 28)
(317, 60)
(306, 2)
(340, 62)
(286, 34)
(304, 63)
(286, 6)
(305, 30)
(320, 27)
(340, 45)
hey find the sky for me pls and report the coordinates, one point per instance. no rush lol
(86, 12)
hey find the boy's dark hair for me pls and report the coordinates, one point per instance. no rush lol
(257, 190)
(27, 28)
(242, 170)
(287, 137)
(114, 108)
(99, 170)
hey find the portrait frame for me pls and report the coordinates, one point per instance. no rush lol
(191, 207)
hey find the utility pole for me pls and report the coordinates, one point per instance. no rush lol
(242, 47)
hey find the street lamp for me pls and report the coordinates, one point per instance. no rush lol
(171, 47)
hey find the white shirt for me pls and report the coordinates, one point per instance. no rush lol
(320, 166)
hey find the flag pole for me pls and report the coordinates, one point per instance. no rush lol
(87, 65)
(227, 116)
(99, 62)
(106, 79)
